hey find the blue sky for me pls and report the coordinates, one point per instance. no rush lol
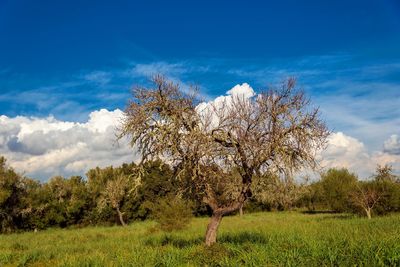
(49, 46)
(69, 58)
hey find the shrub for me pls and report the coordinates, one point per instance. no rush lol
(337, 185)
(170, 212)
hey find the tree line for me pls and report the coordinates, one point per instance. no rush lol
(111, 195)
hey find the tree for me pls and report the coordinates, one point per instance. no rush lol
(110, 189)
(36, 205)
(388, 186)
(114, 194)
(385, 173)
(366, 197)
(64, 201)
(11, 192)
(96, 184)
(273, 131)
(337, 185)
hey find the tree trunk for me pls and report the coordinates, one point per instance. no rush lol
(212, 229)
(121, 218)
(368, 211)
(241, 210)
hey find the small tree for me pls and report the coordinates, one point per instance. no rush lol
(114, 194)
(366, 197)
(247, 135)
(385, 173)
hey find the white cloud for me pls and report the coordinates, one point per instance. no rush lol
(43, 147)
(148, 70)
(208, 109)
(344, 151)
(392, 145)
(98, 77)
(348, 152)
(242, 90)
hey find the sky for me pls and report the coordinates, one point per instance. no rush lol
(67, 67)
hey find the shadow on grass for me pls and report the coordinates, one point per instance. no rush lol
(334, 214)
(339, 216)
(172, 240)
(233, 238)
(243, 237)
(319, 212)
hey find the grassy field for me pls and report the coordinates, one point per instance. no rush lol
(260, 239)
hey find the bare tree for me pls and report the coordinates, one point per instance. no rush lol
(385, 173)
(114, 194)
(221, 146)
(366, 197)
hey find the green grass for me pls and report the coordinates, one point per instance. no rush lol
(260, 239)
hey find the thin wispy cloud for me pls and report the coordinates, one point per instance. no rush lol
(98, 77)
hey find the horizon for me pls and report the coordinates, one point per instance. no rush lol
(66, 70)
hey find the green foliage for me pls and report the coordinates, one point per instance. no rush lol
(11, 194)
(390, 197)
(60, 202)
(313, 198)
(156, 182)
(337, 185)
(170, 212)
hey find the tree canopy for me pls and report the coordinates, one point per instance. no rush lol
(275, 130)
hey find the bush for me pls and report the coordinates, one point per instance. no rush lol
(390, 197)
(171, 213)
(337, 185)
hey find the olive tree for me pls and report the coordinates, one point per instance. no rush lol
(223, 145)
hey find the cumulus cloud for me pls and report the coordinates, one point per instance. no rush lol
(43, 147)
(208, 109)
(242, 90)
(392, 145)
(348, 152)
(344, 151)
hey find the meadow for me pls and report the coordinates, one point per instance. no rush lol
(258, 239)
